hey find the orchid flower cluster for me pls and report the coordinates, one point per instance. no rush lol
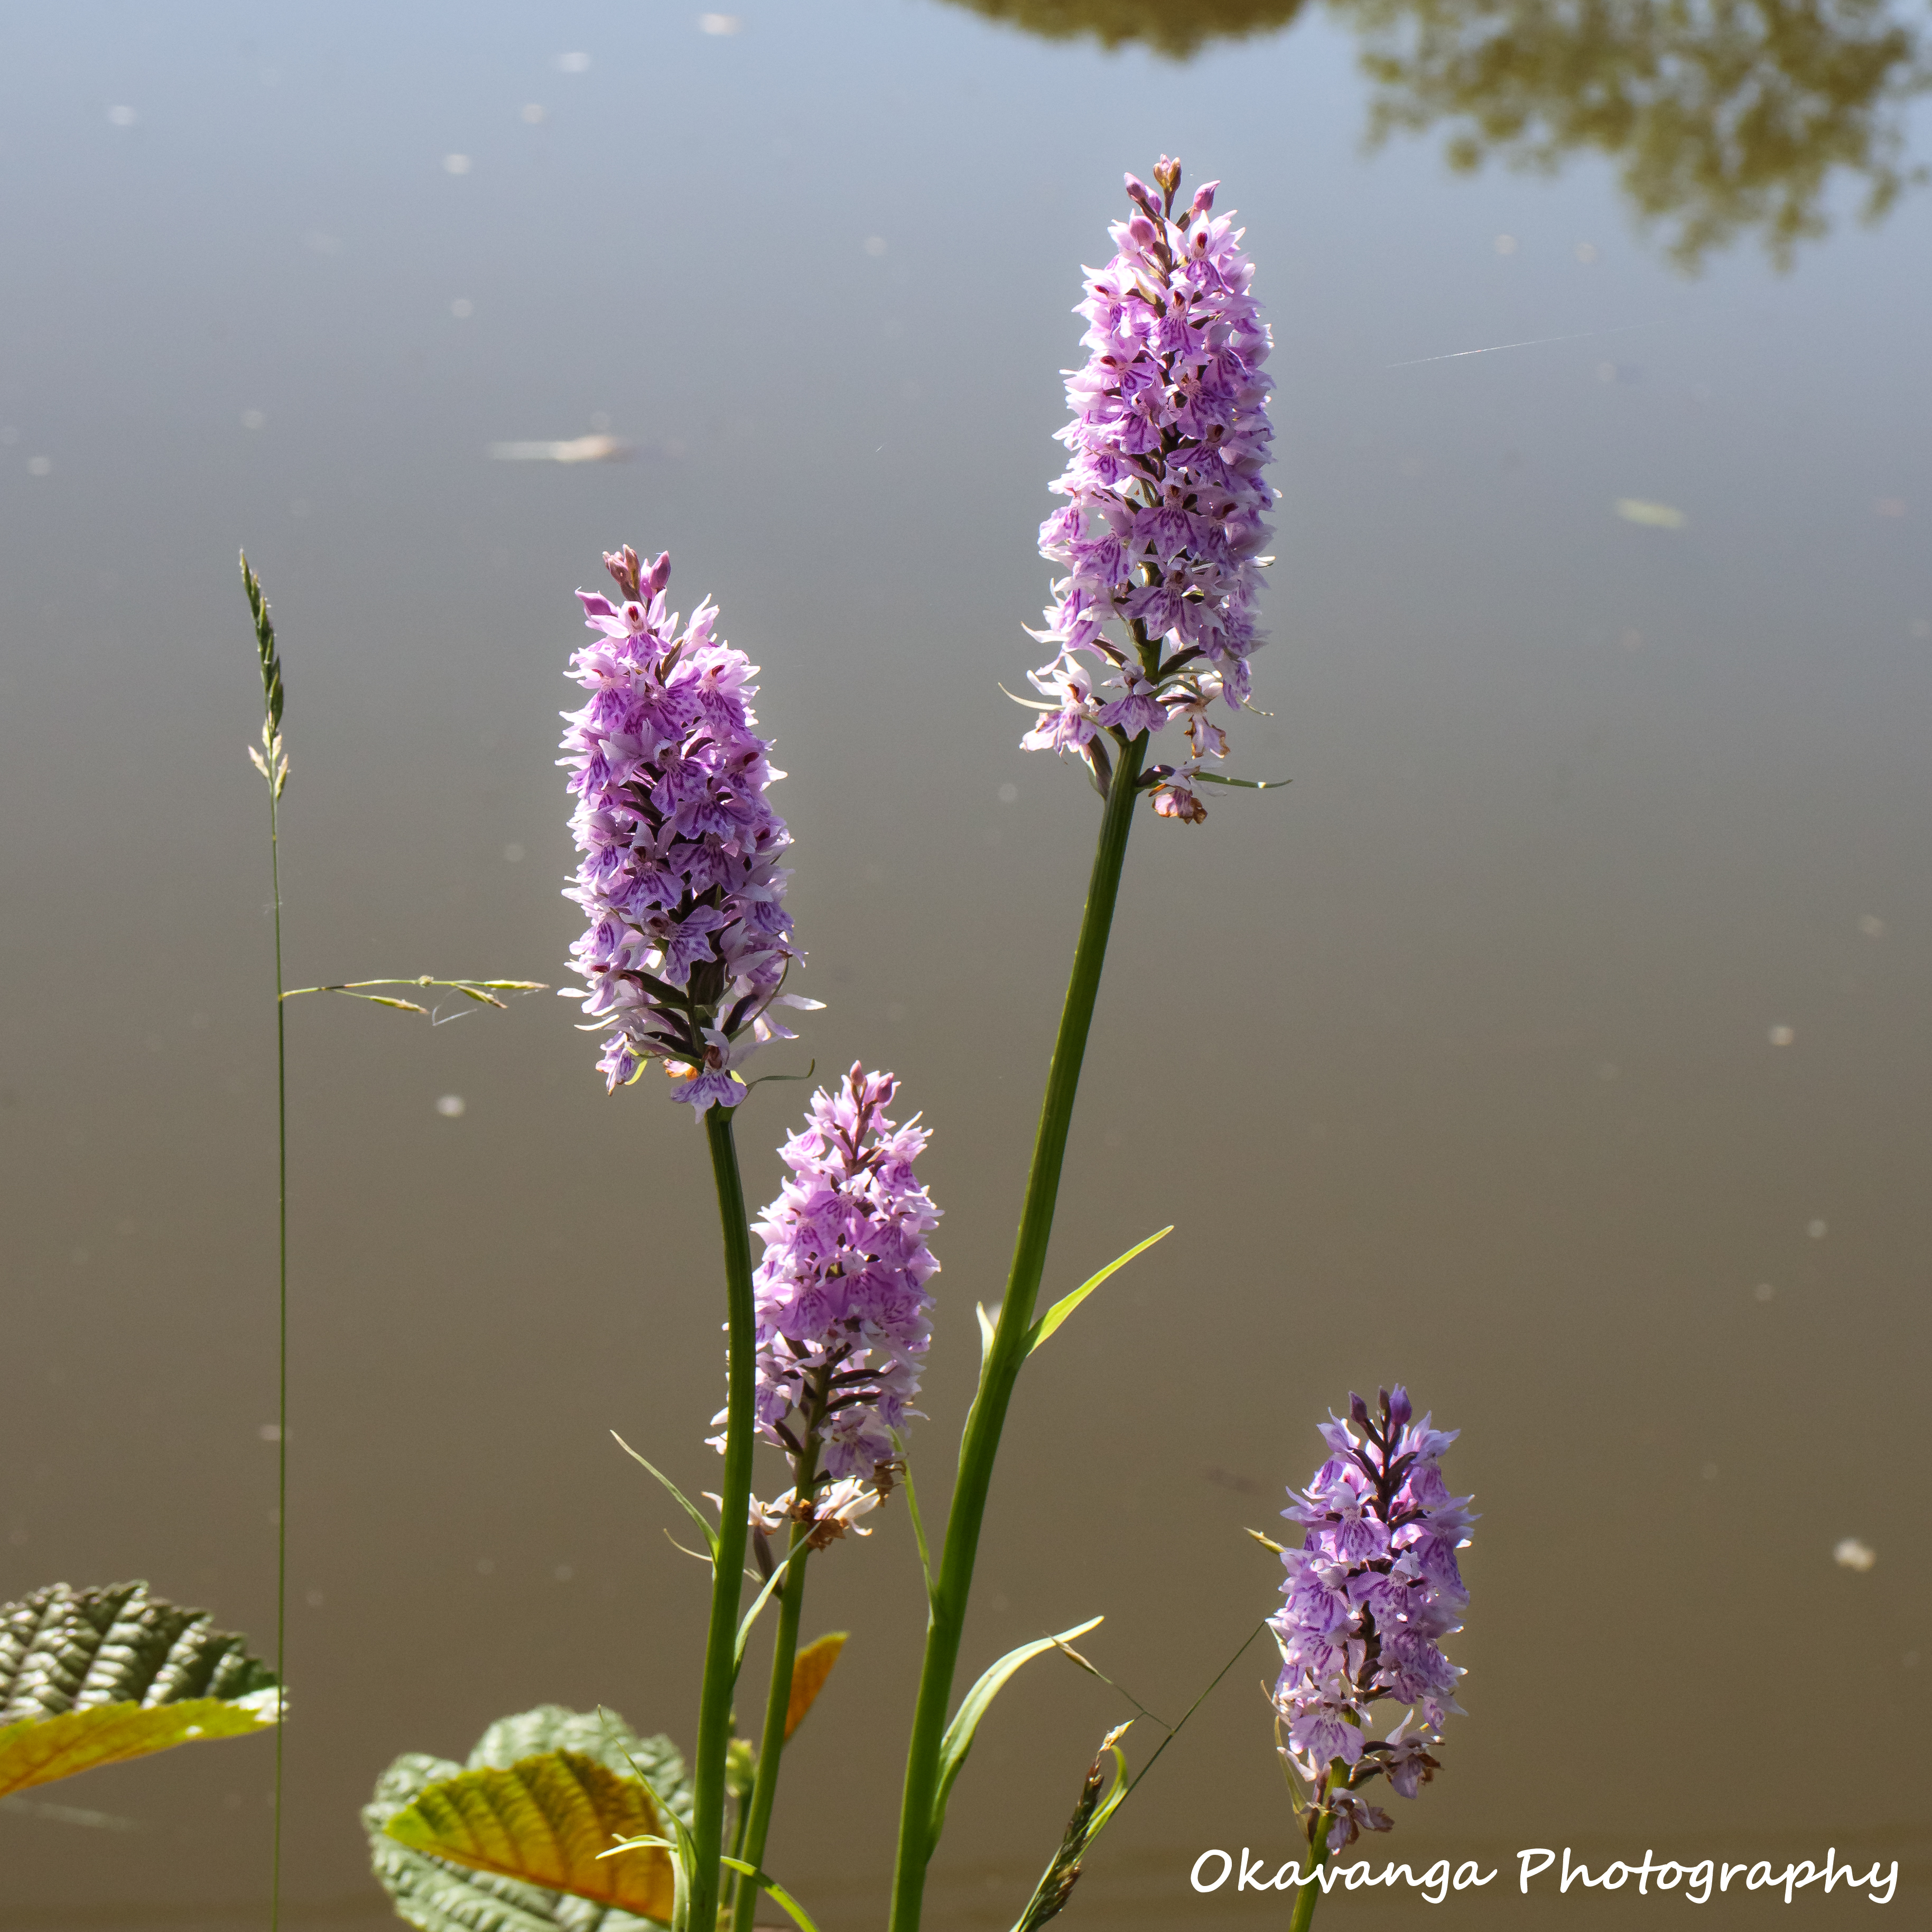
(1163, 529)
(686, 956)
(689, 941)
(841, 1300)
(1373, 1587)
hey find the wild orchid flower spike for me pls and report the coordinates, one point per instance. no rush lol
(689, 942)
(1162, 532)
(1373, 1588)
(841, 1294)
(841, 1302)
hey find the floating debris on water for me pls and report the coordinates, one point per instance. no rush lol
(1652, 516)
(1851, 1554)
(569, 449)
(452, 1106)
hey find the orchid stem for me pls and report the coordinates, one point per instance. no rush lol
(1306, 1899)
(946, 1624)
(714, 1712)
(778, 1702)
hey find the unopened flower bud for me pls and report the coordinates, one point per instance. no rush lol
(1139, 192)
(1167, 173)
(1203, 203)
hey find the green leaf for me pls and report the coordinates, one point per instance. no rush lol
(775, 1581)
(437, 1894)
(684, 1502)
(1089, 1816)
(94, 1677)
(780, 1897)
(810, 1669)
(1065, 1306)
(958, 1738)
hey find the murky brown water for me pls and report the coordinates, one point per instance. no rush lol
(1455, 1062)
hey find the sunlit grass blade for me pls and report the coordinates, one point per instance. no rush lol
(1062, 1309)
(683, 1501)
(780, 1897)
(958, 1741)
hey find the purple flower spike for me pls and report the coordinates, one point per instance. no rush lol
(1372, 1587)
(842, 1326)
(689, 942)
(1161, 536)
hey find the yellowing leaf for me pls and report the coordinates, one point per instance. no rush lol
(546, 1820)
(811, 1667)
(93, 1677)
(36, 1752)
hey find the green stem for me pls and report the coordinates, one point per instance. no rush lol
(282, 1395)
(777, 1706)
(1305, 1900)
(714, 1710)
(947, 1623)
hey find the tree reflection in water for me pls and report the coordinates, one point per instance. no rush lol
(1723, 117)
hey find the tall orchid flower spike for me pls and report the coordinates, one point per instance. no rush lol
(1162, 532)
(1373, 1588)
(842, 1333)
(841, 1293)
(689, 942)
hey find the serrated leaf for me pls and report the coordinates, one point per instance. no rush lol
(94, 1677)
(546, 1820)
(810, 1669)
(438, 1895)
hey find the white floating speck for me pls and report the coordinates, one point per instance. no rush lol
(1709, 1472)
(39, 466)
(1008, 793)
(1505, 244)
(122, 117)
(875, 245)
(1817, 1230)
(270, 1432)
(570, 449)
(456, 164)
(1653, 516)
(452, 1106)
(532, 115)
(1851, 1554)
(1782, 1036)
(1764, 1291)
(1586, 252)
(563, 1572)
(718, 23)
(573, 63)
(462, 308)
(1872, 926)
(254, 419)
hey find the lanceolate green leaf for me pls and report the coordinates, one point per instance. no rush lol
(1065, 1306)
(958, 1738)
(94, 1677)
(438, 1895)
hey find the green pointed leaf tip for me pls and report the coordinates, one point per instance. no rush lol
(958, 1741)
(780, 1897)
(438, 1895)
(1062, 1309)
(683, 1501)
(94, 1677)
